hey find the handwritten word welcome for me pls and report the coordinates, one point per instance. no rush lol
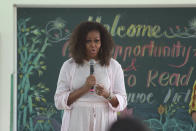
(150, 31)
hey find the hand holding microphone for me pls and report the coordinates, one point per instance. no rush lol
(91, 80)
(92, 63)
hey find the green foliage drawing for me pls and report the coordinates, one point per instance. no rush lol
(167, 122)
(32, 43)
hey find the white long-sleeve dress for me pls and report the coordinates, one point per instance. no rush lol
(90, 112)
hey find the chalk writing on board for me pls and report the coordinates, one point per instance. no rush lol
(156, 53)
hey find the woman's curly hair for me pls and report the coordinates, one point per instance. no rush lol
(78, 40)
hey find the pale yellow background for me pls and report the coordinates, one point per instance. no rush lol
(8, 40)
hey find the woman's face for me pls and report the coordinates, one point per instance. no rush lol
(93, 44)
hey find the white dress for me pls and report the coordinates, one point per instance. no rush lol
(90, 112)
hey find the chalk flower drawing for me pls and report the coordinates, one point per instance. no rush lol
(192, 24)
(56, 30)
(161, 109)
(185, 32)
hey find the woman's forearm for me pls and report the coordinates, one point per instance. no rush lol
(114, 101)
(73, 96)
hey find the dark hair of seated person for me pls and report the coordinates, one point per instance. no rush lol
(128, 124)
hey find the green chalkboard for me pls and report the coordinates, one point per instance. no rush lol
(155, 46)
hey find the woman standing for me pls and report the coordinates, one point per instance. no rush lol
(85, 110)
(192, 104)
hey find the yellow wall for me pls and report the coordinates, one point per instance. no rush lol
(8, 44)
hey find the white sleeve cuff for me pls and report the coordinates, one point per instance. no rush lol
(61, 101)
(64, 101)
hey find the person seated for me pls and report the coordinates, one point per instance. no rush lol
(193, 114)
(128, 124)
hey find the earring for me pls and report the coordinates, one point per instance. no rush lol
(101, 50)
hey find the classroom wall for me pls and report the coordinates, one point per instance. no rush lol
(8, 44)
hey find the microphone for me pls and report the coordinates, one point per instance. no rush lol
(92, 63)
